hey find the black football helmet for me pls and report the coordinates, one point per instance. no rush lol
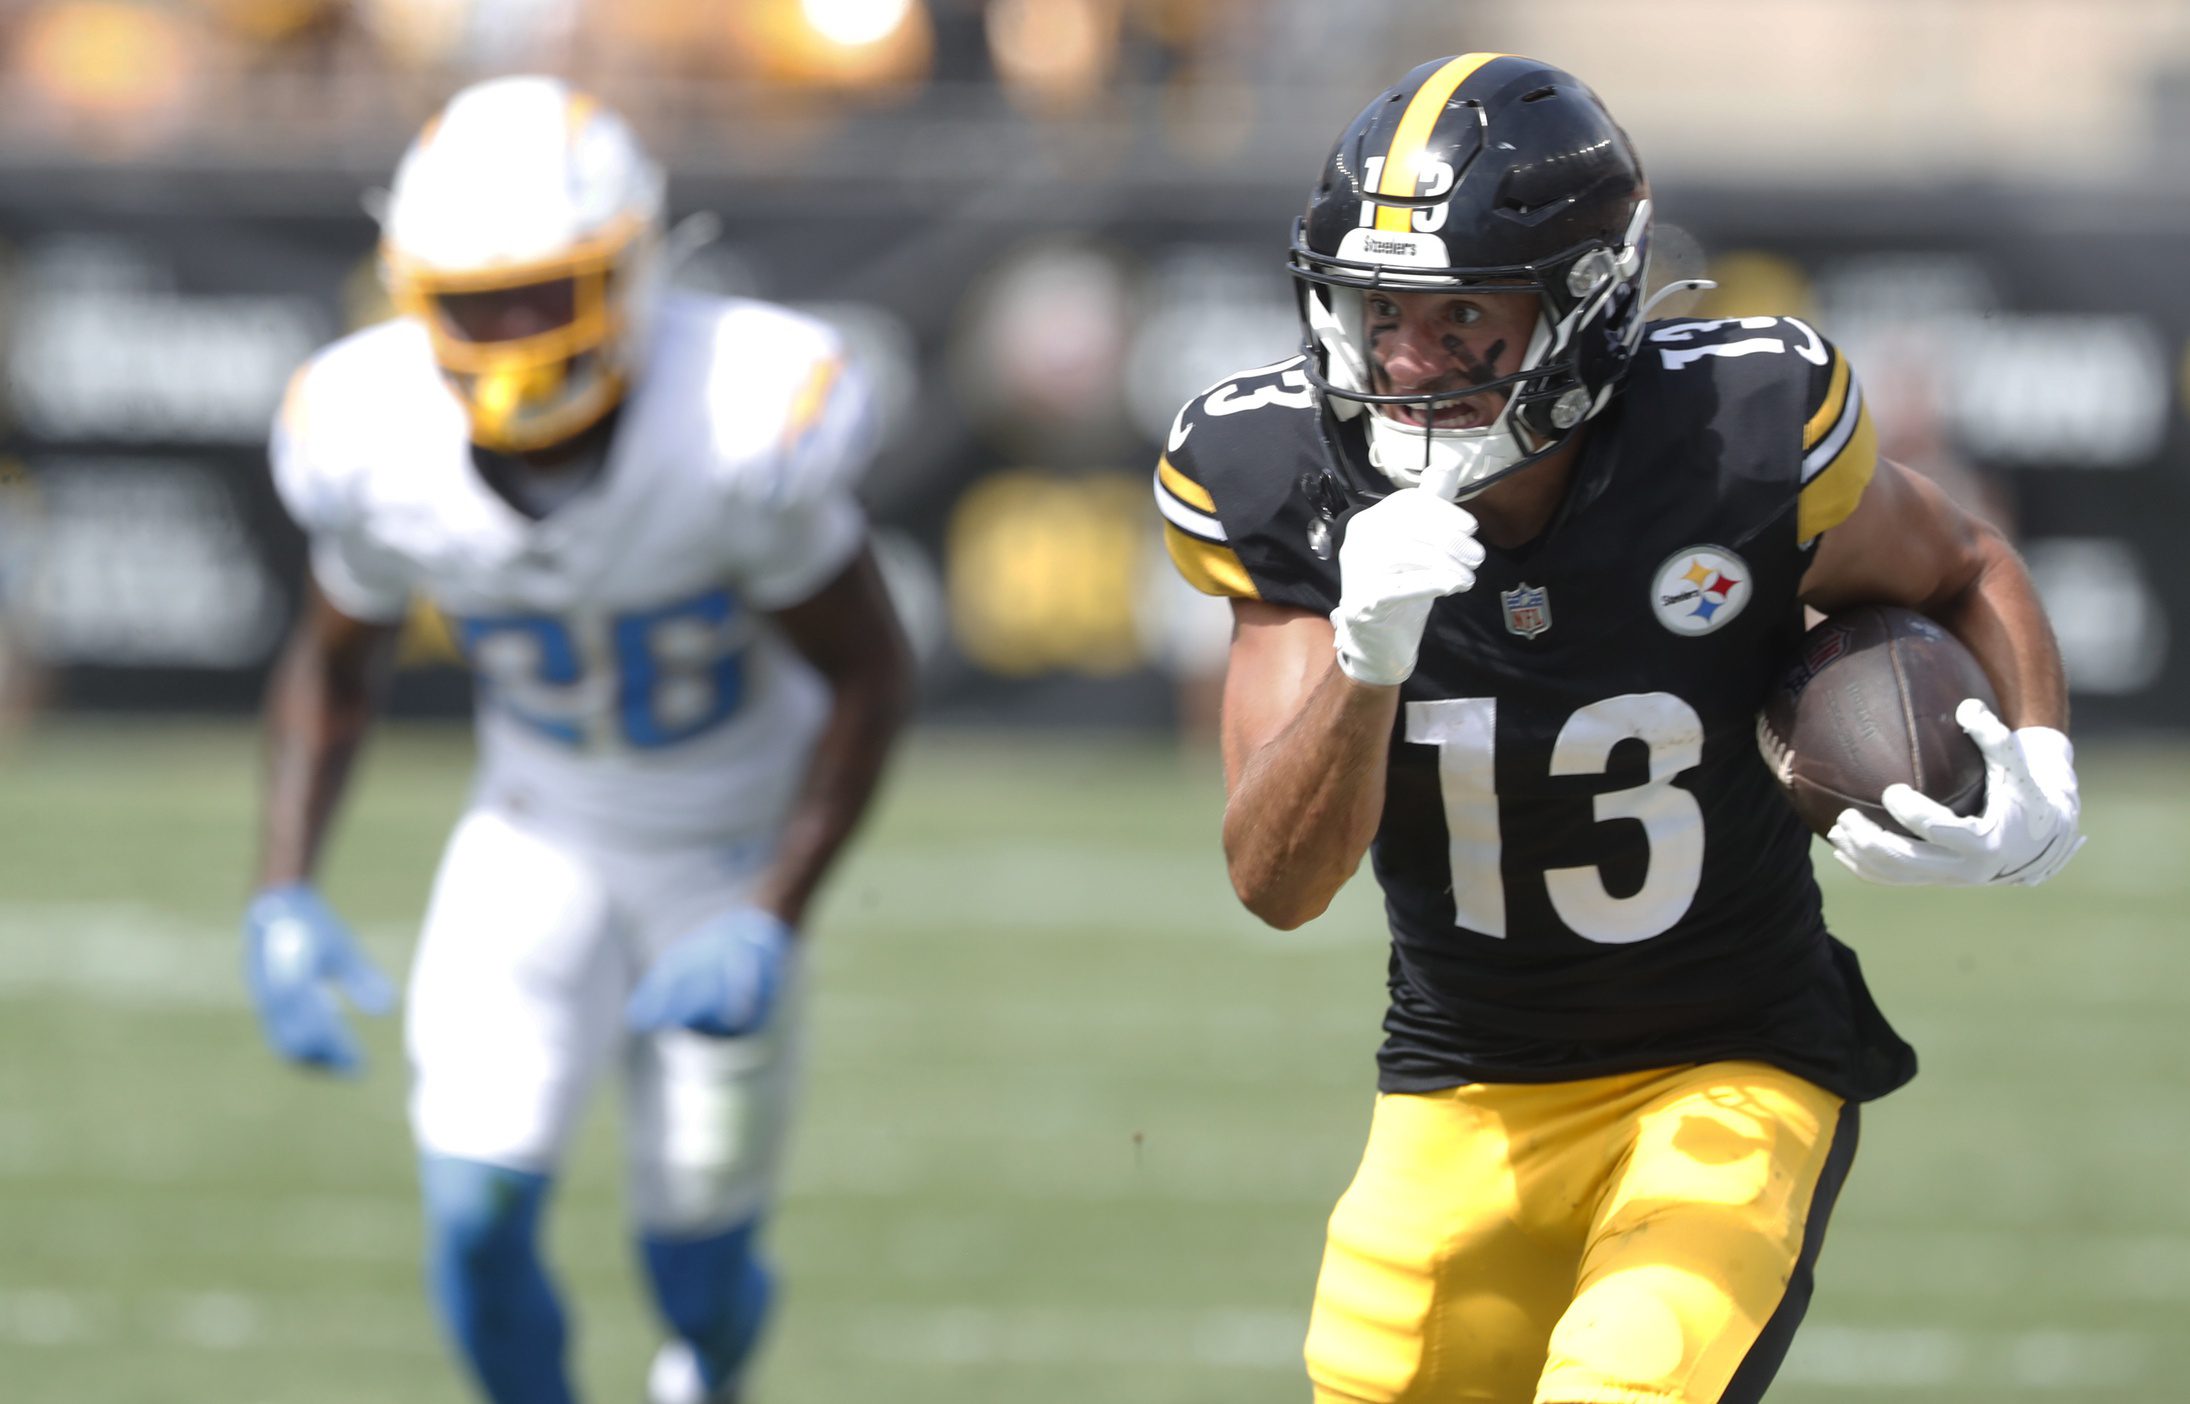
(1494, 174)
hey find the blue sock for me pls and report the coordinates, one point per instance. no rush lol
(483, 1262)
(714, 1293)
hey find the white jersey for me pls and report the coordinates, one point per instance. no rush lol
(630, 689)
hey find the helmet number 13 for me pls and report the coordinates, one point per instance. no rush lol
(1432, 178)
(1464, 729)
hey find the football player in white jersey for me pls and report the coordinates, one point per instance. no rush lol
(636, 510)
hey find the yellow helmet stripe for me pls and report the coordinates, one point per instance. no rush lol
(1400, 175)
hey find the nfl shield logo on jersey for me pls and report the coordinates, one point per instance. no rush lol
(1528, 610)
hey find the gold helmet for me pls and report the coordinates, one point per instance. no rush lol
(524, 230)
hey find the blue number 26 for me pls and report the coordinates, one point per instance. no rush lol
(674, 672)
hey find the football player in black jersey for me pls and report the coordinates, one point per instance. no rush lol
(1618, 1088)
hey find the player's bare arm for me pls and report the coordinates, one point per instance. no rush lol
(1908, 544)
(850, 634)
(321, 699)
(1304, 762)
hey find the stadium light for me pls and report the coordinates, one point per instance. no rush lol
(855, 23)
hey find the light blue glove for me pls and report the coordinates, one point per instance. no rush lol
(720, 980)
(294, 948)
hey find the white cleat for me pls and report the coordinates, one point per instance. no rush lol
(674, 1378)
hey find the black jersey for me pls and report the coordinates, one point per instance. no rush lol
(1586, 864)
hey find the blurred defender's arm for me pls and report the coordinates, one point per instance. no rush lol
(1304, 755)
(849, 633)
(722, 980)
(322, 697)
(296, 950)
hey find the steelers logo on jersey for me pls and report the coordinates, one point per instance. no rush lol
(1699, 589)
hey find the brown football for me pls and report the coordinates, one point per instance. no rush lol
(1869, 702)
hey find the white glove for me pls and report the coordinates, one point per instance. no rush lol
(2026, 834)
(1401, 555)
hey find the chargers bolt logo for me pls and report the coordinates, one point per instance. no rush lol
(1700, 588)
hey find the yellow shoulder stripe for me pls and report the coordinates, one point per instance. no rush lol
(1185, 489)
(807, 404)
(427, 637)
(1403, 161)
(1208, 567)
(1828, 414)
(1833, 490)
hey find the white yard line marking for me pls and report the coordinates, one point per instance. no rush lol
(212, 1320)
(1870, 1357)
(130, 954)
(1825, 1355)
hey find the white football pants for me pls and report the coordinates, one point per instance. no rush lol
(531, 946)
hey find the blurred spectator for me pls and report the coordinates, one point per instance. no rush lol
(474, 35)
(266, 33)
(1054, 56)
(112, 74)
(1040, 350)
(622, 46)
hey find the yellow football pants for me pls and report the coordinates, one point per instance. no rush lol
(1645, 1238)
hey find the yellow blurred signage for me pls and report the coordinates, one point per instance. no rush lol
(1044, 572)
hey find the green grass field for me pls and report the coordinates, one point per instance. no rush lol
(1074, 1120)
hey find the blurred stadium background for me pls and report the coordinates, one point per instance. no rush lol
(1075, 1119)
